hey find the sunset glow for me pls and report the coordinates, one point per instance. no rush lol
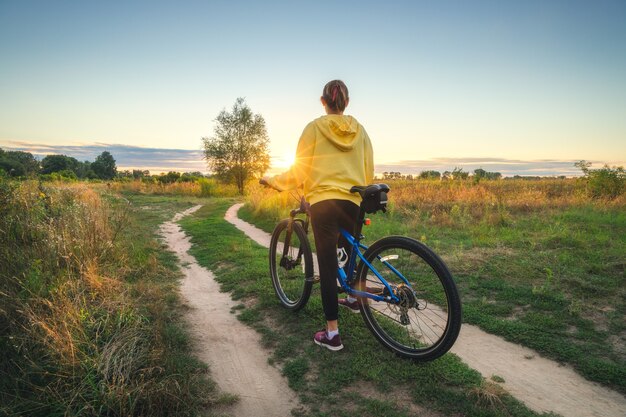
(431, 82)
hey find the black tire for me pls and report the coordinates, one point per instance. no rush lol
(292, 273)
(427, 323)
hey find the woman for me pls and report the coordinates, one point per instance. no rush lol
(334, 153)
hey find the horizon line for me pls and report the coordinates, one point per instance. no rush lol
(187, 160)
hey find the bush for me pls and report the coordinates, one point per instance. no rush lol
(207, 187)
(605, 182)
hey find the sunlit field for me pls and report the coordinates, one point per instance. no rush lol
(90, 307)
(540, 262)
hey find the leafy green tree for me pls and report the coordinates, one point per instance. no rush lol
(138, 173)
(18, 163)
(83, 169)
(12, 168)
(57, 163)
(168, 178)
(239, 148)
(430, 175)
(26, 159)
(459, 174)
(104, 166)
(480, 173)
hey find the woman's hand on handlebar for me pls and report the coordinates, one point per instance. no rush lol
(265, 181)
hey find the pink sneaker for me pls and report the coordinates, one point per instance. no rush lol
(321, 338)
(353, 306)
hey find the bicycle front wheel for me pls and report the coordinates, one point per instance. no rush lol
(426, 320)
(291, 264)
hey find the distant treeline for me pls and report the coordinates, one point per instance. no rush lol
(455, 174)
(19, 164)
(24, 164)
(603, 182)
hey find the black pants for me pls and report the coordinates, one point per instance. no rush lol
(327, 217)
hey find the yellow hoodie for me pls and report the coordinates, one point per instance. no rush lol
(334, 153)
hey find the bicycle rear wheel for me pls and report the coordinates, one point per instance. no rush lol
(427, 320)
(291, 265)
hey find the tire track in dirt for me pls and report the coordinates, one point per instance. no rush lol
(236, 360)
(542, 384)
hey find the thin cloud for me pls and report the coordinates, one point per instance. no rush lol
(126, 157)
(186, 160)
(507, 167)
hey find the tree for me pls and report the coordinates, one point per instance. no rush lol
(57, 163)
(168, 178)
(18, 163)
(239, 148)
(480, 174)
(104, 166)
(430, 175)
(459, 174)
(84, 170)
(137, 173)
(26, 159)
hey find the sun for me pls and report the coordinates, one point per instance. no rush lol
(286, 160)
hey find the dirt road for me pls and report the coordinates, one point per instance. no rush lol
(543, 385)
(237, 362)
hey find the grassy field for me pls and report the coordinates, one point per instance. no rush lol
(90, 317)
(363, 379)
(537, 262)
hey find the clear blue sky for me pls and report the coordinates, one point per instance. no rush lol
(492, 80)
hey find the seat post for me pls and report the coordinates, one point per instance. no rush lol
(359, 224)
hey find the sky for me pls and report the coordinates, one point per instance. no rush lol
(516, 87)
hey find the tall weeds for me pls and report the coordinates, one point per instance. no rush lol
(73, 341)
(456, 202)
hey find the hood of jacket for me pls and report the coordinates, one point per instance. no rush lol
(340, 130)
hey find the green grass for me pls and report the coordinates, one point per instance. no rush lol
(362, 378)
(552, 280)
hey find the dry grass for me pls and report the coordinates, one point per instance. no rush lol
(459, 202)
(73, 339)
(488, 395)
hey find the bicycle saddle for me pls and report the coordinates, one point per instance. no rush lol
(374, 197)
(369, 190)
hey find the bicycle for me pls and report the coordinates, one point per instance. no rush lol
(406, 294)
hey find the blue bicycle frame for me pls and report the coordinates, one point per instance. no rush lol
(345, 278)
